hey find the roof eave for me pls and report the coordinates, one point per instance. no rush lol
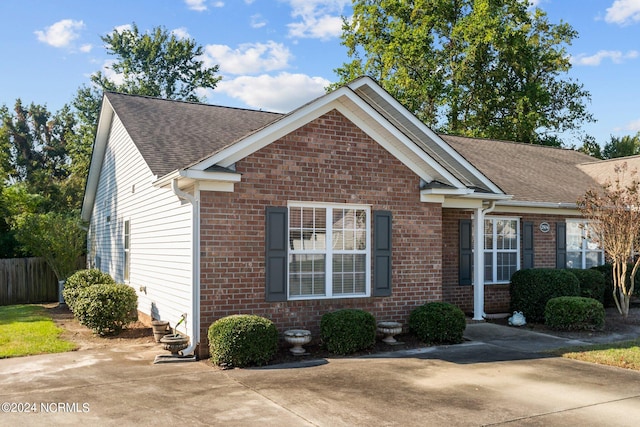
(97, 158)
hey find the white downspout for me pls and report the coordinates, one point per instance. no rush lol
(195, 267)
(478, 262)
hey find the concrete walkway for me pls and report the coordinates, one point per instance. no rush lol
(499, 377)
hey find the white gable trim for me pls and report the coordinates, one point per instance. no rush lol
(97, 157)
(432, 135)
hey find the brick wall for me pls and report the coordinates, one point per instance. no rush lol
(328, 160)
(496, 296)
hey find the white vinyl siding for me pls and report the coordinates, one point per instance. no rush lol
(160, 238)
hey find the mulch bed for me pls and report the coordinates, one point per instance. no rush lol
(138, 333)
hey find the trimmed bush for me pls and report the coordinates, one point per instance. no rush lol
(242, 340)
(591, 283)
(80, 280)
(438, 323)
(532, 288)
(574, 313)
(106, 307)
(348, 330)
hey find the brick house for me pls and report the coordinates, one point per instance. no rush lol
(348, 201)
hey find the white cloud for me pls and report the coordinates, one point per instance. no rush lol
(623, 12)
(107, 70)
(197, 5)
(249, 58)
(218, 4)
(318, 18)
(616, 57)
(257, 21)
(181, 33)
(281, 93)
(86, 48)
(60, 34)
(633, 126)
(123, 28)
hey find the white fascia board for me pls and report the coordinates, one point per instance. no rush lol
(541, 208)
(489, 196)
(208, 180)
(447, 191)
(434, 137)
(267, 135)
(97, 157)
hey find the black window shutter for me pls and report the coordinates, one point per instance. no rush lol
(276, 254)
(527, 245)
(381, 253)
(561, 245)
(465, 272)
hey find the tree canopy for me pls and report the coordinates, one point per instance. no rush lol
(156, 63)
(481, 68)
(44, 156)
(622, 146)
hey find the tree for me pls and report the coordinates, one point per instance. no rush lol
(36, 141)
(57, 237)
(591, 147)
(622, 146)
(482, 68)
(614, 223)
(156, 64)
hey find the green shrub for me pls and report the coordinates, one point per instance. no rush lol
(106, 307)
(242, 340)
(438, 323)
(530, 290)
(574, 313)
(80, 280)
(348, 330)
(591, 283)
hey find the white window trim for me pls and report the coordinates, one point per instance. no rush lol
(329, 252)
(583, 247)
(494, 252)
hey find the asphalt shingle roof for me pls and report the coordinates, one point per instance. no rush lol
(530, 173)
(173, 134)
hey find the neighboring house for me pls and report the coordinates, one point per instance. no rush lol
(348, 201)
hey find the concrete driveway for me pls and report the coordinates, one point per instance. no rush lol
(496, 378)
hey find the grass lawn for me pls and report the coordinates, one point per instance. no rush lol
(624, 354)
(27, 330)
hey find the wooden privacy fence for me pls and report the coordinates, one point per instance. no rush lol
(27, 281)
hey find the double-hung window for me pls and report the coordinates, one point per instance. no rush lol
(582, 252)
(329, 251)
(501, 249)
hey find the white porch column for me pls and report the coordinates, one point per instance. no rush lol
(478, 265)
(478, 261)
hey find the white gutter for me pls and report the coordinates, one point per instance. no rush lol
(478, 262)
(525, 204)
(195, 266)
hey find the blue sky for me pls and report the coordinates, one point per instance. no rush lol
(278, 54)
